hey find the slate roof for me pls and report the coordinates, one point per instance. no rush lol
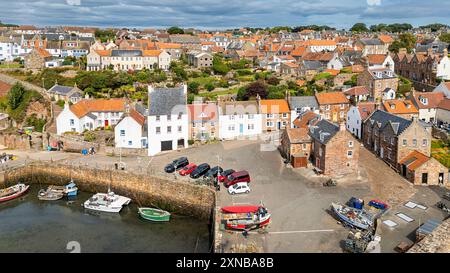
(384, 118)
(300, 102)
(323, 131)
(312, 65)
(60, 89)
(371, 41)
(238, 107)
(162, 101)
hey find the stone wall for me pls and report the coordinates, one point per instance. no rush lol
(337, 161)
(436, 242)
(124, 151)
(13, 141)
(177, 197)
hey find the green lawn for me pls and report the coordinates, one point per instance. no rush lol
(11, 65)
(441, 152)
(204, 80)
(213, 94)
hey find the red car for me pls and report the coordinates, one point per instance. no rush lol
(235, 178)
(224, 174)
(188, 169)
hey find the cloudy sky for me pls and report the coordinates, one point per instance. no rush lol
(215, 14)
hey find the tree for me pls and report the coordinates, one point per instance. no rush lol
(219, 66)
(193, 87)
(434, 27)
(15, 95)
(359, 27)
(254, 89)
(273, 80)
(445, 37)
(406, 40)
(175, 30)
(105, 35)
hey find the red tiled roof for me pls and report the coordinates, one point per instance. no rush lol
(416, 160)
(376, 58)
(357, 91)
(365, 109)
(304, 120)
(433, 99)
(274, 106)
(445, 104)
(84, 107)
(331, 98)
(298, 135)
(138, 117)
(400, 107)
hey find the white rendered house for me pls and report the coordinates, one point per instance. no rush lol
(239, 119)
(89, 115)
(168, 124)
(131, 131)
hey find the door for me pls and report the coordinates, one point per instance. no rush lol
(279, 125)
(166, 145)
(241, 129)
(106, 123)
(425, 178)
(441, 179)
(404, 170)
(181, 143)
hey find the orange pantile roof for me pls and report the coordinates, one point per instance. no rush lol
(445, 104)
(366, 108)
(321, 43)
(298, 51)
(85, 107)
(414, 160)
(400, 107)
(168, 45)
(357, 91)
(103, 53)
(298, 135)
(333, 72)
(274, 106)
(433, 99)
(386, 39)
(149, 53)
(376, 58)
(307, 119)
(331, 98)
(138, 117)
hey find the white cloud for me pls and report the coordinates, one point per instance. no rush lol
(374, 2)
(73, 2)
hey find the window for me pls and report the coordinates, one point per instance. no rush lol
(180, 129)
(122, 132)
(349, 154)
(342, 114)
(350, 144)
(269, 124)
(231, 117)
(424, 142)
(284, 115)
(169, 129)
(158, 130)
(180, 115)
(169, 117)
(231, 128)
(405, 142)
(72, 122)
(251, 127)
(241, 116)
(414, 142)
(130, 143)
(251, 116)
(158, 118)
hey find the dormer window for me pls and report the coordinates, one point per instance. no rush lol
(424, 100)
(392, 106)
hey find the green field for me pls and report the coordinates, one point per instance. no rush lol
(441, 152)
(11, 65)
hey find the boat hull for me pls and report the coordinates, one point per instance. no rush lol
(148, 214)
(249, 225)
(348, 220)
(240, 209)
(15, 195)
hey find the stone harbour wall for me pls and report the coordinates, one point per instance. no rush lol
(176, 197)
(436, 242)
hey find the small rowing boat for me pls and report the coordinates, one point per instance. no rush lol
(152, 214)
(68, 190)
(49, 195)
(13, 192)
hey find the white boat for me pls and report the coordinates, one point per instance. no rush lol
(107, 202)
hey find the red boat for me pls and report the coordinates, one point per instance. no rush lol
(240, 209)
(246, 217)
(13, 192)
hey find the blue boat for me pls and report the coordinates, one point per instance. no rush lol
(71, 189)
(354, 217)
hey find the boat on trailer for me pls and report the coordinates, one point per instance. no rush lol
(152, 214)
(354, 217)
(107, 202)
(13, 192)
(246, 217)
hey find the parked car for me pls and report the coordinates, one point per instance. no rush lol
(188, 169)
(236, 177)
(200, 170)
(176, 165)
(239, 188)
(224, 174)
(213, 172)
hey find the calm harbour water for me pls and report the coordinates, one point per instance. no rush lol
(30, 225)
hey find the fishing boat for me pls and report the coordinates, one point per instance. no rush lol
(152, 214)
(240, 218)
(107, 202)
(355, 217)
(67, 190)
(13, 192)
(49, 195)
